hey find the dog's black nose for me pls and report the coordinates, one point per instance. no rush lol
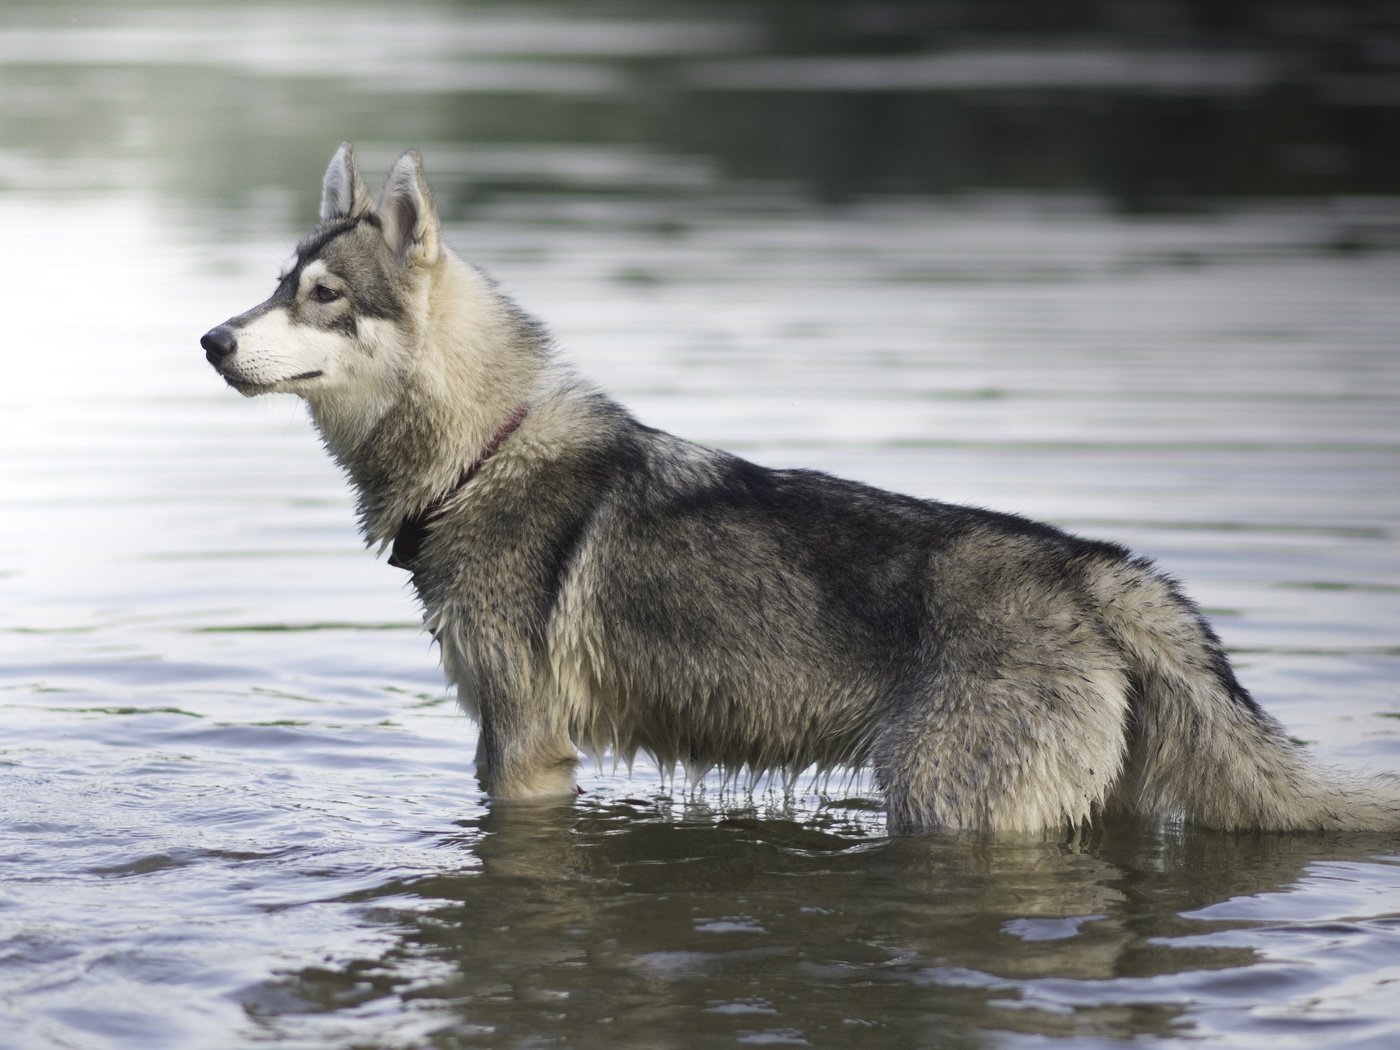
(218, 343)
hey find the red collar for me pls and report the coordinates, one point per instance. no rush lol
(414, 529)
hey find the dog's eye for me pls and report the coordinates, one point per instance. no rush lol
(322, 294)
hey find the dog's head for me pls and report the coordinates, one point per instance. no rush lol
(342, 319)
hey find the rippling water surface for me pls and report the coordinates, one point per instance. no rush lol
(237, 806)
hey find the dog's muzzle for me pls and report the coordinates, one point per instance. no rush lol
(219, 343)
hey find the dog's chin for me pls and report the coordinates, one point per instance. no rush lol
(246, 388)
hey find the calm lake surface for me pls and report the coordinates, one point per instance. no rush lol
(1133, 279)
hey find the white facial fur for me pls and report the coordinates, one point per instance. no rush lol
(286, 349)
(347, 402)
(275, 354)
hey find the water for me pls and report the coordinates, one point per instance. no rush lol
(237, 807)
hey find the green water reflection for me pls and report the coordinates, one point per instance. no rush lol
(1147, 106)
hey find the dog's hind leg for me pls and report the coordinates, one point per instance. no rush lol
(1007, 741)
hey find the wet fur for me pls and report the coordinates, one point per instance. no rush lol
(606, 586)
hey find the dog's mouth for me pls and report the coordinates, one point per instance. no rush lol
(249, 388)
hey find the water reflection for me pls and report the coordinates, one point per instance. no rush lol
(621, 926)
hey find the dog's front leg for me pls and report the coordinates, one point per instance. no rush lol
(520, 757)
(523, 749)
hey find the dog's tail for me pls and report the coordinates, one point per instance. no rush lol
(1199, 745)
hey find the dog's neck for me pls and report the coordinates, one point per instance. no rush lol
(408, 539)
(477, 359)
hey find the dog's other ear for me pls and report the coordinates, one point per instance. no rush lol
(410, 217)
(343, 194)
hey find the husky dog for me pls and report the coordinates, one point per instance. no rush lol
(596, 584)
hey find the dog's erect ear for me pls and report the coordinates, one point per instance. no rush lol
(343, 194)
(406, 209)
